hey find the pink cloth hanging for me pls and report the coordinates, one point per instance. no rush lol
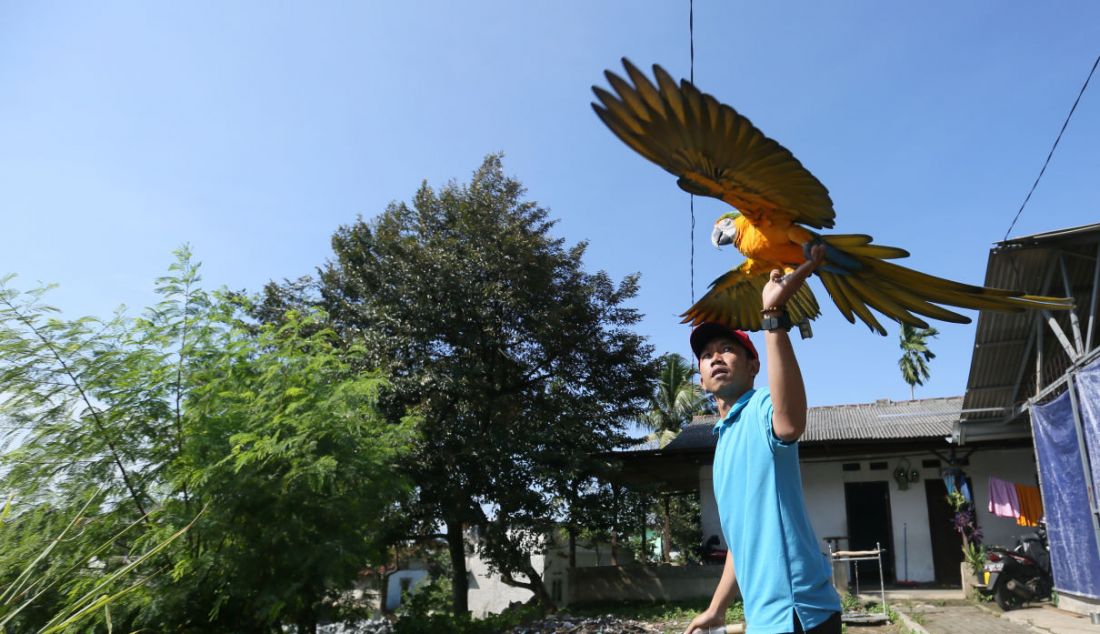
(1003, 501)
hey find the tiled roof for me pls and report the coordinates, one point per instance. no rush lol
(644, 444)
(881, 420)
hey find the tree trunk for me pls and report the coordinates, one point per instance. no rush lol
(383, 590)
(572, 547)
(539, 588)
(615, 525)
(307, 619)
(666, 534)
(644, 555)
(534, 584)
(456, 544)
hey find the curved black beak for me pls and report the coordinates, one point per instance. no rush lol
(719, 238)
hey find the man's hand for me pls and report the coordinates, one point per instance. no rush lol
(704, 621)
(781, 287)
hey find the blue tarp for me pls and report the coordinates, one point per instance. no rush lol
(1074, 557)
(1088, 390)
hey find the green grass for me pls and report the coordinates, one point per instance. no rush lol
(649, 612)
(655, 612)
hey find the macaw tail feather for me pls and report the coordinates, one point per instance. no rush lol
(860, 278)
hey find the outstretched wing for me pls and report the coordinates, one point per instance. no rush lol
(858, 278)
(711, 148)
(734, 299)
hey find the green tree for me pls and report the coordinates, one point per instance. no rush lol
(675, 400)
(915, 355)
(267, 431)
(684, 525)
(520, 364)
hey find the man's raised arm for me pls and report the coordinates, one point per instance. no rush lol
(784, 377)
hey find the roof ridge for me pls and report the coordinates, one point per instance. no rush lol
(840, 406)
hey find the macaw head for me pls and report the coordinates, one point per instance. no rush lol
(724, 230)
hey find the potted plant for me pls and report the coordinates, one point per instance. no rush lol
(966, 525)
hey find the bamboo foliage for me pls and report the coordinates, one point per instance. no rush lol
(184, 467)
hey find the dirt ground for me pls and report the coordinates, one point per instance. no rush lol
(675, 627)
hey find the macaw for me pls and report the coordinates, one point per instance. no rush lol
(714, 151)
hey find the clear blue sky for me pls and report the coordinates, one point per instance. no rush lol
(252, 130)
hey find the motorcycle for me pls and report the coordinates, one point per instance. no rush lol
(711, 552)
(1020, 575)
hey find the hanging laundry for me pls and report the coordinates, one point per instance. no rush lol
(1003, 501)
(1031, 505)
(954, 479)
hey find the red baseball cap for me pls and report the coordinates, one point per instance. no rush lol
(708, 330)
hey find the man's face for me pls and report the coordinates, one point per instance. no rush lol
(726, 369)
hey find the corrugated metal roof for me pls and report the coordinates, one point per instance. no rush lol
(881, 420)
(1003, 366)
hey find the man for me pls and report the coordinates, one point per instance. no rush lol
(773, 553)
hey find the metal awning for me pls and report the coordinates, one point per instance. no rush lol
(1021, 357)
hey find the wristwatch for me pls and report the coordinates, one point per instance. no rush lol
(782, 322)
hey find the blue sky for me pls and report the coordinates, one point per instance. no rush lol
(252, 130)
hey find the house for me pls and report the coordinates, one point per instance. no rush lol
(488, 594)
(1041, 372)
(872, 473)
(1030, 415)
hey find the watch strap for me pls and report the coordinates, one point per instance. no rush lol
(780, 322)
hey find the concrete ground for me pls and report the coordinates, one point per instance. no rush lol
(954, 616)
(1046, 618)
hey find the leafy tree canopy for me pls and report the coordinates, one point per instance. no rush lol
(520, 363)
(675, 400)
(915, 355)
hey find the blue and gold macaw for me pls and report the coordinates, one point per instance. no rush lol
(714, 151)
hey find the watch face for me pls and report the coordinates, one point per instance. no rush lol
(776, 323)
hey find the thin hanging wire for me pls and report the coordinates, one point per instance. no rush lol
(1051, 153)
(691, 39)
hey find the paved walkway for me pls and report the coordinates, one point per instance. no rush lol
(954, 617)
(1047, 618)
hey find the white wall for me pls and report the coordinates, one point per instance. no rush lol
(709, 523)
(1014, 465)
(488, 594)
(823, 486)
(393, 587)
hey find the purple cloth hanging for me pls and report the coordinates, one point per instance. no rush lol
(1003, 501)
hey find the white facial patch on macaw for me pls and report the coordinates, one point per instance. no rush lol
(724, 232)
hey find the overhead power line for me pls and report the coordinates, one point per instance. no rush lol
(1051, 153)
(691, 43)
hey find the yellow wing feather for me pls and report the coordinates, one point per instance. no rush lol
(734, 299)
(714, 150)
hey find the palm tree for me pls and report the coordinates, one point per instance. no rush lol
(915, 356)
(676, 399)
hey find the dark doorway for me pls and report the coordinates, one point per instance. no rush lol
(946, 542)
(868, 506)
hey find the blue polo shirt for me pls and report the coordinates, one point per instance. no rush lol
(758, 488)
